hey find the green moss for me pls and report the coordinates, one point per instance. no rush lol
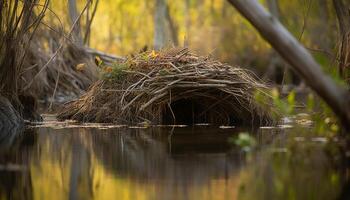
(116, 72)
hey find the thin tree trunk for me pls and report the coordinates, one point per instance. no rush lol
(187, 23)
(73, 13)
(343, 16)
(322, 32)
(275, 60)
(89, 22)
(172, 26)
(159, 24)
(274, 8)
(297, 56)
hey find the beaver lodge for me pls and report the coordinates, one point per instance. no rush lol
(173, 86)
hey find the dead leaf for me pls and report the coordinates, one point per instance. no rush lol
(108, 69)
(98, 61)
(80, 67)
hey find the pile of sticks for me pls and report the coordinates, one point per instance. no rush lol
(150, 82)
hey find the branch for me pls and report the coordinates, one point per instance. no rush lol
(107, 58)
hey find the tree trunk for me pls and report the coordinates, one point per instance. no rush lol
(172, 26)
(187, 23)
(274, 8)
(89, 22)
(74, 15)
(275, 59)
(159, 24)
(297, 56)
(343, 15)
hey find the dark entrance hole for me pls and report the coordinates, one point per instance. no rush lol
(183, 111)
(190, 111)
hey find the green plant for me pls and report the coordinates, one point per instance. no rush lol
(245, 141)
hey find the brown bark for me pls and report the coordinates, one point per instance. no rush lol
(343, 15)
(297, 56)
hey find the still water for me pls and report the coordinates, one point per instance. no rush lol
(168, 163)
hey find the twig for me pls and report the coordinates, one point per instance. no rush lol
(54, 91)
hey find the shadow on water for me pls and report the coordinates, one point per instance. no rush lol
(165, 163)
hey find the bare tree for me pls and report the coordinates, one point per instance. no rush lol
(297, 56)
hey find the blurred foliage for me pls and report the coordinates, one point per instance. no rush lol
(303, 157)
(209, 26)
(314, 112)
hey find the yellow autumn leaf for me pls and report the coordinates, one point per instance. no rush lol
(153, 54)
(80, 67)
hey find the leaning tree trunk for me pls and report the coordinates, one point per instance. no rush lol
(297, 56)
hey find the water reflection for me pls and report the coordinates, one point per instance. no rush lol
(124, 163)
(165, 163)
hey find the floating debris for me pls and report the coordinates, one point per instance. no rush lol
(299, 139)
(268, 127)
(137, 127)
(319, 139)
(226, 127)
(285, 126)
(202, 124)
(279, 150)
(171, 126)
(72, 124)
(13, 167)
